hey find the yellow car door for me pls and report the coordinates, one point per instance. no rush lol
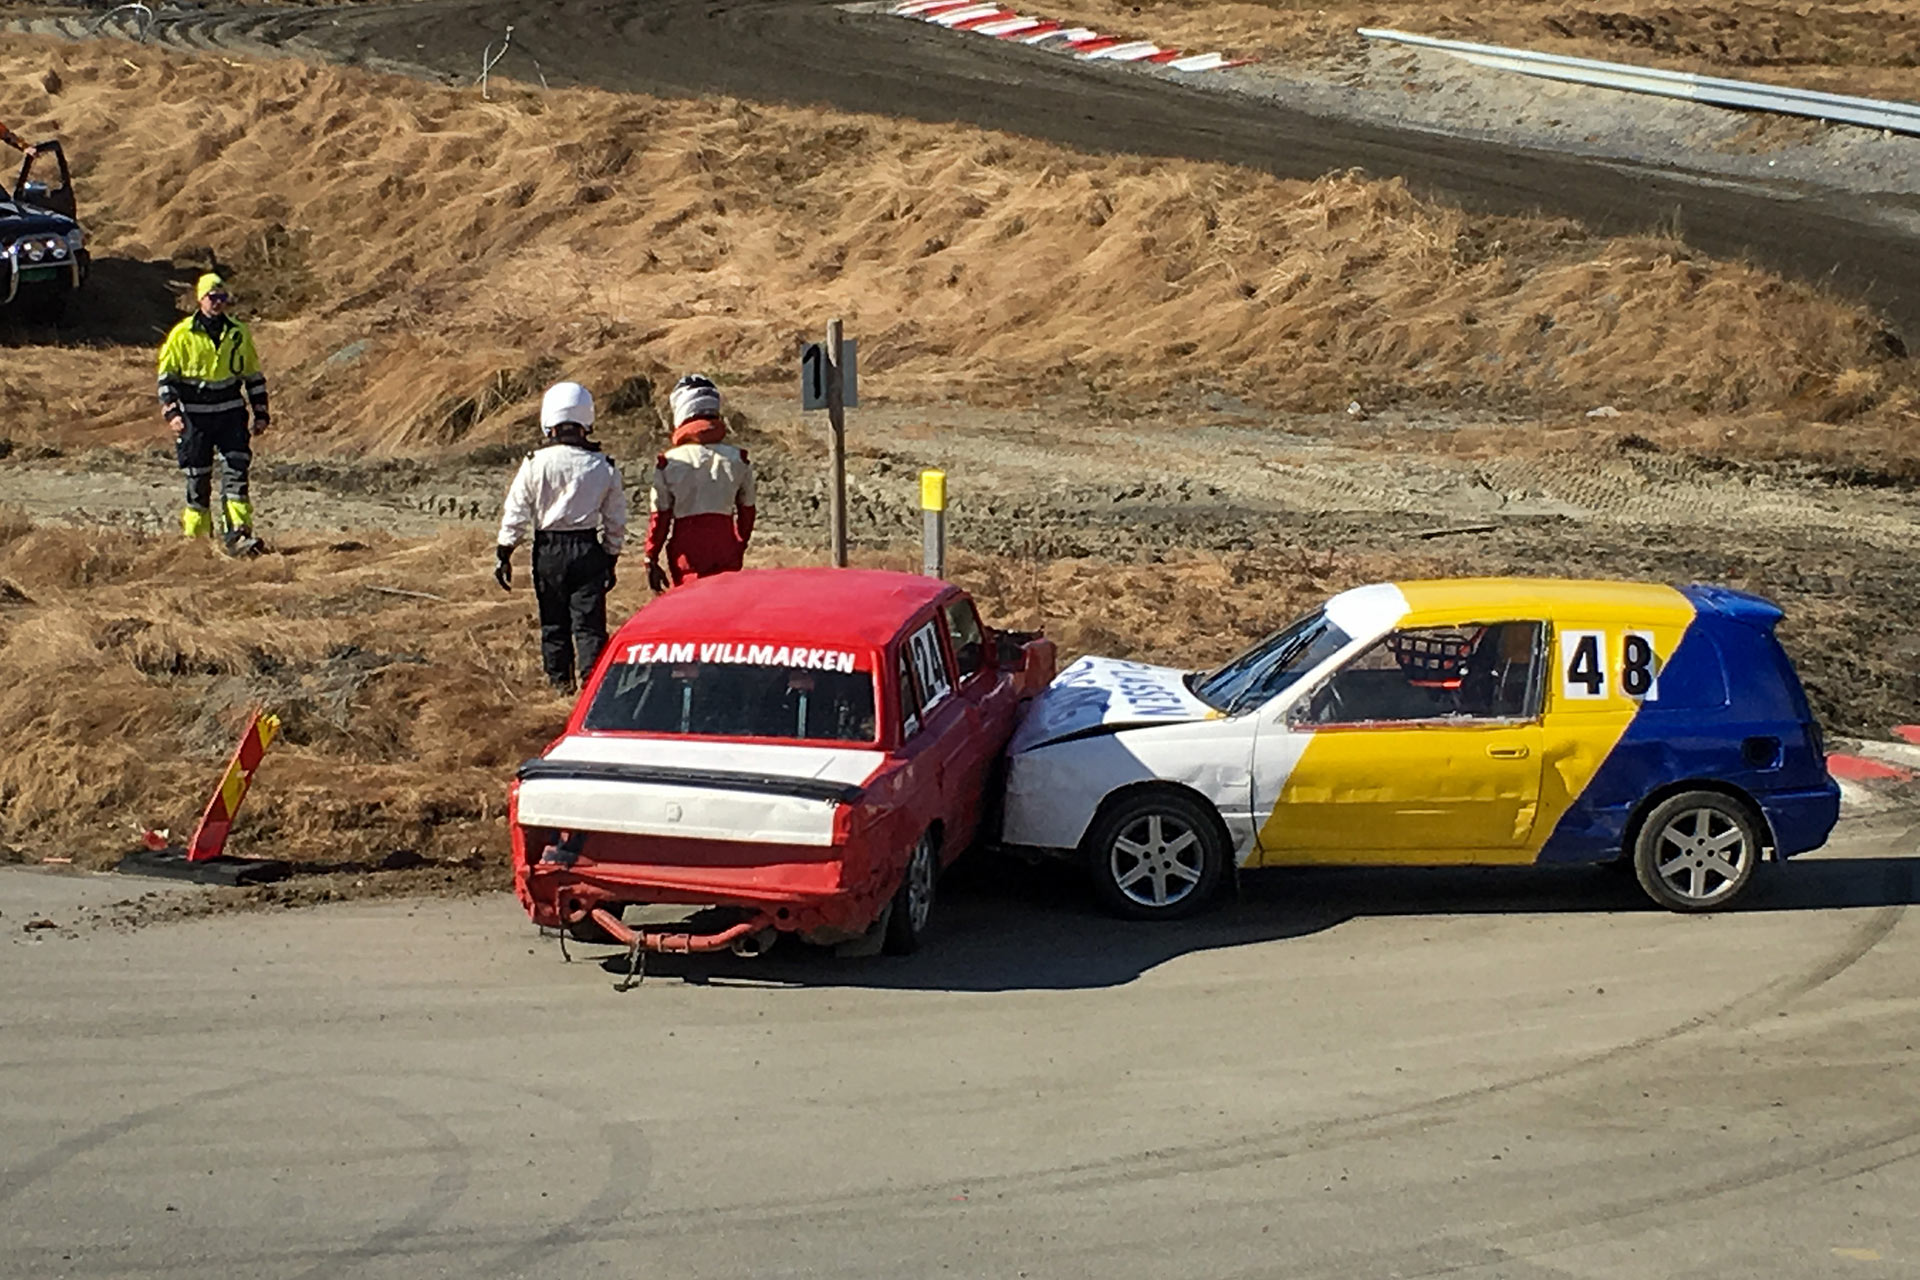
(1425, 748)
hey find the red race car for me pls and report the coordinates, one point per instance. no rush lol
(801, 749)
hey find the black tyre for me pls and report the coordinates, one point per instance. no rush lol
(912, 907)
(1156, 855)
(1697, 851)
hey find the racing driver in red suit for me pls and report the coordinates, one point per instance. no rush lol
(702, 508)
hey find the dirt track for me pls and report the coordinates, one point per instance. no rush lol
(1507, 1076)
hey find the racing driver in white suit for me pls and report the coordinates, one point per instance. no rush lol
(703, 493)
(569, 496)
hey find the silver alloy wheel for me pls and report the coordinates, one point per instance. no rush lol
(1702, 855)
(923, 868)
(1157, 860)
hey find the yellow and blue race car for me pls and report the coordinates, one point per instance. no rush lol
(1471, 721)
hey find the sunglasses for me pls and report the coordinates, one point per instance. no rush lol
(219, 295)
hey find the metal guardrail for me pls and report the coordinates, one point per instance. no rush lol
(1871, 113)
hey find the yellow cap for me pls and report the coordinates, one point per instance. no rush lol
(207, 284)
(933, 491)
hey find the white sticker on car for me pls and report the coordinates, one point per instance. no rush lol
(1140, 690)
(1583, 665)
(1639, 666)
(929, 664)
(755, 655)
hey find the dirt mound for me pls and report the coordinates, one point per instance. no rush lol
(1755, 35)
(423, 260)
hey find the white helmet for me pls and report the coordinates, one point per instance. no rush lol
(694, 396)
(564, 403)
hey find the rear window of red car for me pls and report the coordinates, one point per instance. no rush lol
(736, 691)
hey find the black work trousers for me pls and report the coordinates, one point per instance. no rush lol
(570, 582)
(225, 431)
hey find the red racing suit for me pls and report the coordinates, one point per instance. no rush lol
(702, 504)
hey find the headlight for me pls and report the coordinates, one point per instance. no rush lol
(36, 250)
(58, 248)
(76, 239)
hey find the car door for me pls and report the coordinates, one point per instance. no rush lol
(1425, 747)
(990, 702)
(937, 724)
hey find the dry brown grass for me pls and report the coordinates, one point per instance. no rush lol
(133, 662)
(1867, 47)
(475, 257)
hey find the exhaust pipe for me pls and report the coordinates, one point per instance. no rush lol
(755, 945)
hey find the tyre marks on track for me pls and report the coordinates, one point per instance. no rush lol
(629, 1173)
(1226, 1155)
(618, 1211)
(1870, 933)
(451, 1159)
(1678, 1197)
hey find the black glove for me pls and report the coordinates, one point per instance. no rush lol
(612, 561)
(656, 576)
(503, 567)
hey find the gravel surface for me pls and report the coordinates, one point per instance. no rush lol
(1035, 485)
(1402, 87)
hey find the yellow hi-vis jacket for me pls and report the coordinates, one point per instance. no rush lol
(202, 375)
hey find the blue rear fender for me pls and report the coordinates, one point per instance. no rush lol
(1731, 717)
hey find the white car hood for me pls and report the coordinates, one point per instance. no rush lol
(1097, 693)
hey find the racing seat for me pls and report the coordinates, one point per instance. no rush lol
(1498, 674)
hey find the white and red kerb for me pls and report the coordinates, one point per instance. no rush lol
(1084, 43)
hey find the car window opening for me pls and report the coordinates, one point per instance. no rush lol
(909, 698)
(1481, 672)
(969, 641)
(734, 700)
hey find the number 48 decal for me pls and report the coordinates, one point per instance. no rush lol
(1639, 666)
(1588, 664)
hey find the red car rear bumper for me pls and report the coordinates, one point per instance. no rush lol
(795, 888)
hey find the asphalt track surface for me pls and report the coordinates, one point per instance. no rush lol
(813, 53)
(1523, 1074)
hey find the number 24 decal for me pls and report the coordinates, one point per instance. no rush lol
(1588, 663)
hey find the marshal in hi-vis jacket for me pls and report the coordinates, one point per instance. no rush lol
(208, 367)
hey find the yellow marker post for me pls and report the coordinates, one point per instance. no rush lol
(933, 523)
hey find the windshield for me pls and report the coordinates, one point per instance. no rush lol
(1270, 666)
(735, 700)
